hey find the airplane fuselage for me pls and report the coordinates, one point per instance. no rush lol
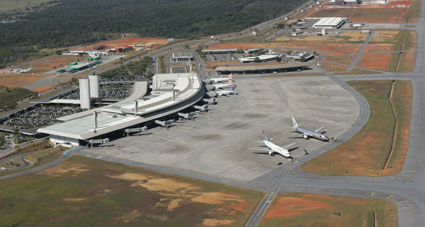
(276, 149)
(310, 133)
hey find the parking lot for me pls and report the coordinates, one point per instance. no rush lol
(218, 143)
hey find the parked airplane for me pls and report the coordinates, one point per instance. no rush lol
(221, 79)
(226, 85)
(307, 134)
(231, 91)
(273, 148)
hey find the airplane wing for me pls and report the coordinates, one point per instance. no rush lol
(286, 147)
(317, 130)
(259, 149)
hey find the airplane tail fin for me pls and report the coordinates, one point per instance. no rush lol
(233, 89)
(265, 136)
(294, 122)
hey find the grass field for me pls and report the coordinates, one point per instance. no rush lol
(291, 209)
(333, 67)
(346, 60)
(366, 152)
(10, 95)
(383, 62)
(90, 192)
(357, 71)
(393, 15)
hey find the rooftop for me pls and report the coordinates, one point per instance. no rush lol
(261, 67)
(330, 21)
(182, 55)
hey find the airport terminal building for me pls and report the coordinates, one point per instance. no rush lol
(260, 69)
(170, 94)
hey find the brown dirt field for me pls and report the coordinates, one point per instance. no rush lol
(378, 61)
(215, 222)
(385, 36)
(389, 15)
(46, 64)
(408, 62)
(333, 67)
(357, 71)
(413, 40)
(289, 206)
(372, 48)
(18, 80)
(124, 42)
(296, 209)
(346, 60)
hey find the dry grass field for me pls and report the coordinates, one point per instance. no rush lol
(346, 60)
(333, 67)
(89, 192)
(366, 152)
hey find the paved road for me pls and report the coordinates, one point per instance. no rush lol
(406, 190)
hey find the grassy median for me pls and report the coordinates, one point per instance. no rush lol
(365, 153)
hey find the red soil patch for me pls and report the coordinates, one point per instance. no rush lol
(18, 80)
(346, 60)
(376, 61)
(371, 48)
(408, 62)
(47, 63)
(123, 43)
(333, 67)
(289, 206)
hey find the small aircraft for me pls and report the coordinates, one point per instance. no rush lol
(226, 85)
(273, 148)
(307, 134)
(221, 79)
(231, 91)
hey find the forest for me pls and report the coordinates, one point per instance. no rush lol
(74, 22)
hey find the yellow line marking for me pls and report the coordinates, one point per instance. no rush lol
(376, 179)
(402, 201)
(405, 175)
(408, 207)
(412, 171)
(392, 178)
(372, 194)
(389, 196)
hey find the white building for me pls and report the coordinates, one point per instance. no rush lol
(267, 57)
(330, 22)
(182, 56)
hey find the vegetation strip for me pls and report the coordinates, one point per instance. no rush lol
(400, 52)
(395, 125)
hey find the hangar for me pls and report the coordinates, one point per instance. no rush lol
(170, 93)
(259, 69)
(330, 22)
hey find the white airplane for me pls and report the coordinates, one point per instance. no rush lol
(307, 134)
(231, 91)
(273, 148)
(221, 79)
(226, 85)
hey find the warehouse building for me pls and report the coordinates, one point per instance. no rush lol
(182, 56)
(330, 22)
(260, 69)
(219, 51)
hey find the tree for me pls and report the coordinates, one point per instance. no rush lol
(289, 52)
(302, 59)
(278, 59)
(59, 52)
(257, 59)
(239, 51)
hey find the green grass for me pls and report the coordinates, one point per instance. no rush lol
(316, 210)
(10, 95)
(415, 11)
(89, 192)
